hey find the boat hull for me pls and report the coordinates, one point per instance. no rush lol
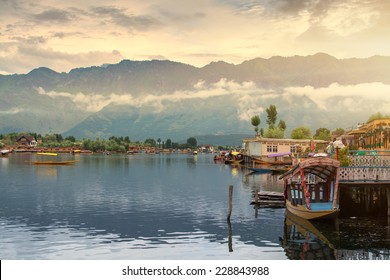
(302, 212)
(54, 162)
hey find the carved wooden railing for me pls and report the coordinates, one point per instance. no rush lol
(367, 166)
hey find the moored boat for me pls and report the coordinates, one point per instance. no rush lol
(311, 188)
(51, 162)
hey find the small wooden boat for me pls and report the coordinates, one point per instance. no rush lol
(311, 188)
(50, 162)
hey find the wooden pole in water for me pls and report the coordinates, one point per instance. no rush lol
(388, 201)
(256, 201)
(230, 202)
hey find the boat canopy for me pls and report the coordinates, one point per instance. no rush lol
(322, 167)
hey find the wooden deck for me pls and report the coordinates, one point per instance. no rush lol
(267, 199)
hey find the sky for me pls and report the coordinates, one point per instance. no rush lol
(63, 35)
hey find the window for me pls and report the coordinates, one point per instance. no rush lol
(293, 149)
(272, 148)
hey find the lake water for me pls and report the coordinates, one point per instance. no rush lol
(162, 206)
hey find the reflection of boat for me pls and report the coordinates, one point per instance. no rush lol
(302, 240)
(234, 161)
(311, 188)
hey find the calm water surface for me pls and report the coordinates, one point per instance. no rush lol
(164, 206)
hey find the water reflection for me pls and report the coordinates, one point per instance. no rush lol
(303, 241)
(353, 239)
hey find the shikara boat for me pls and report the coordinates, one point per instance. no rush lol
(52, 162)
(311, 188)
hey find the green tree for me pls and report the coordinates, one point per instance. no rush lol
(159, 142)
(192, 142)
(168, 143)
(274, 133)
(272, 115)
(282, 125)
(322, 134)
(150, 142)
(338, 131)
(301, 133)
(255, 121)
(71, 139)
(377, 116)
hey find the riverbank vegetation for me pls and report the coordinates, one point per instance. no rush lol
(113, 143)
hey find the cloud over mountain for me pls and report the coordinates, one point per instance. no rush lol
(148, 98)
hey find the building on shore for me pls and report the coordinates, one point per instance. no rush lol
(26, 141)
(374, 135)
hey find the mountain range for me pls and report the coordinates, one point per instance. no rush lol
(166, 99)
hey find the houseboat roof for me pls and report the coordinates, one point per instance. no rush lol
(322, 167)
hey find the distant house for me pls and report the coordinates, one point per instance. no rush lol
(26, 141)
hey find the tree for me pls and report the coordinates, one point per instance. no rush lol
(159, 142)
(71, 139)
(192, 142)
(282, 125)
(274, 133)
(322, 134)
(272, 116)
(168, 143)
(255, 121)
(150, 142)
(338, 131)
(301, 133)
(377, 116)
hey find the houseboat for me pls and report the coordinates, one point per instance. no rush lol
(311, 188)
(273, 151)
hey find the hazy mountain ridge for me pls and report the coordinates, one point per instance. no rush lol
(167, 99)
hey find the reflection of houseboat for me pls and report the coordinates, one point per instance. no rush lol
(303, 241)
(311, 188)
